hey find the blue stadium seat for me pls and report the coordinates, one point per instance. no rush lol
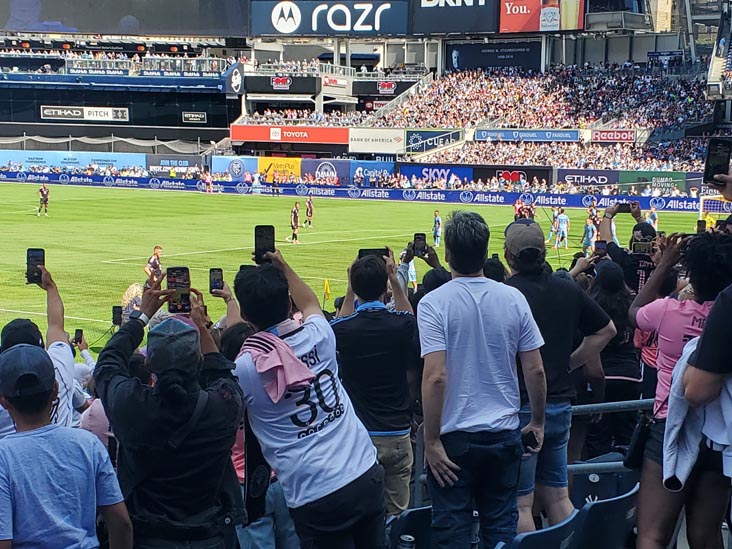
(414, 522)
(564, 535)
(600, 486)
(608, 524)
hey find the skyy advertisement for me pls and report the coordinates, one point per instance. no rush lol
(542, 15)
(461, 56)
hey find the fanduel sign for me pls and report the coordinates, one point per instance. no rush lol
(347, 18)
(527, 135)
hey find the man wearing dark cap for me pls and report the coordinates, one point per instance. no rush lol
(23, 331)
(174, 438)
(552, 299)
(53, 479)
(636, 262)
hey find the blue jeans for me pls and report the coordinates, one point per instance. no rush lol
(274, 530)
(487, 481)
(549, 466)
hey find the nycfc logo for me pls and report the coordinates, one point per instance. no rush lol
(354, 192)
(587, 200)
(242, 188)
(658, 203)
(301, 190)
(63, 178)
(201, 186)
(236, 168)
(466, 197)
(286, 17)
(108, 180)
(527, 198)
(409, 194)
(727, 207)
(154, 183)
(325, 170)
(236, 80)
(22, 176)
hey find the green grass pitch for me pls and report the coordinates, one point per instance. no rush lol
(97, 241)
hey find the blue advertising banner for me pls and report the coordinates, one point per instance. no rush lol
(433, 172)
(328, 18)
(544, 136)
(588, 177)
(235, 166)
(327, 169)
(419, 141)
(66, 159)
(368, 169)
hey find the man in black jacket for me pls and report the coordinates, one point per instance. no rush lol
(175, 438)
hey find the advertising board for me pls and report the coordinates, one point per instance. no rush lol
(542, 15)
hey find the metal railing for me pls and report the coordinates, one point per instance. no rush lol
(396, 76)
(292, 69)
(423, 82)
(128, 67)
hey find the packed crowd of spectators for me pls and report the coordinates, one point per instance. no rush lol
(679, 155)
(104, 170)
(562, 97)
(304, 117)
(152, 447)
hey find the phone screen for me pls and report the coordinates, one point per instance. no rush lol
(215, 279)
(34, 258)
(600, 247)
(117, 315)
(179, 279)
(420, 244)
(718, 158)
(624, 208)
(378, 252)
(264, 241)
(78, 336)
(701, 226)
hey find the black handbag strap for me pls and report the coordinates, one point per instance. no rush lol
(182, 433)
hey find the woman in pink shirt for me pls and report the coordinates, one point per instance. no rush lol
(708, 260)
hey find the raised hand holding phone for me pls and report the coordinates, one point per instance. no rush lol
(153, 298)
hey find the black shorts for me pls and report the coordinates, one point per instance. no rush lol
(708, 460)
(294, 227)
(654, 444)
(44, 201)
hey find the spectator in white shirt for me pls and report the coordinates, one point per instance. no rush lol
(471, 331)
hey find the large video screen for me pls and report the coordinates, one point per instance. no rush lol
(542, 15)
(227, 18)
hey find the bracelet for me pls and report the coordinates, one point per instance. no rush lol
(605, 216)
(228, 300)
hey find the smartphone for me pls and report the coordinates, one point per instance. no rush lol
(117, 315)
(721, 225)
(528, 440)
(600, 247)
(179, 279)
(719, 153)
(378, 252)
(215, 279)
(420, 244)
(78, 336)
(624, 208)
(34, 258)
(264, 241)
(496, 257)
(701, 226)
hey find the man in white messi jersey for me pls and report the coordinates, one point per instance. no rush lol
(309, 432)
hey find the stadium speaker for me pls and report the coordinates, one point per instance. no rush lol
(236, 43)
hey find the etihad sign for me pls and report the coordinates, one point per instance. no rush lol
(614, 136)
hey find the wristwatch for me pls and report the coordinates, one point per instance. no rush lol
(139, 315)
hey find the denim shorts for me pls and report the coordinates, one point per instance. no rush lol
(654, 443)
(549, 466)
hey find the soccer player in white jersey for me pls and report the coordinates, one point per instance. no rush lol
(309, 434)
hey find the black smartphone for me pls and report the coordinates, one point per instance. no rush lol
(179, 279)
(33, 259)
(496, 257)
(264, 241)
(78, 336)
(420, 244)
(719, 153)
(624, 208)
(215, 279)
(528, 440)
(117, 315)
(701, 226)
(378, 252)
(721, 225)
(600, 247)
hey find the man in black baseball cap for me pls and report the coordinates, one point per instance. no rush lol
(20, 331)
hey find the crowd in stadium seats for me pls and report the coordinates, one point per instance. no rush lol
(302, 117)
(563, 97)
(679, 155)
(103, 170)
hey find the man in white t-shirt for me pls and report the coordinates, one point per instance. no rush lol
(311, 436)
(21, 331)
(471, 331)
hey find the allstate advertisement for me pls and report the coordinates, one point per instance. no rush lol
(539, 136)
(234, 166)
(436, 171)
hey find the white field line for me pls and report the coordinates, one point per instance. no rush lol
(29, 313)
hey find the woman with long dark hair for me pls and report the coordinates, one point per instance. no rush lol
(619, 361)
(708, 260)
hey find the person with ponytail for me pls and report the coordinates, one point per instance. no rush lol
(175, 437)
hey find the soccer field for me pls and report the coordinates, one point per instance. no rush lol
(97, 241)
